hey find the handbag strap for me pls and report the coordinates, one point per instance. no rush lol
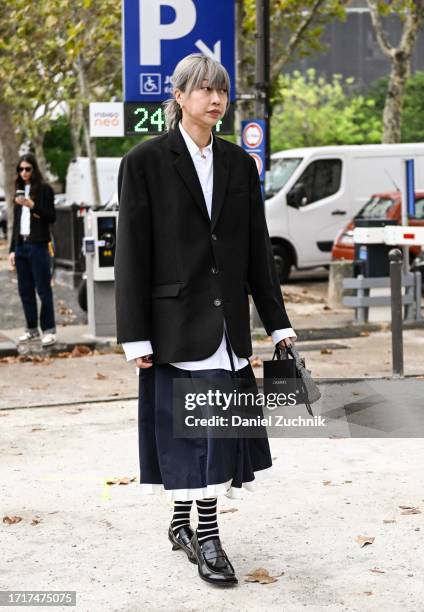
(280, 354)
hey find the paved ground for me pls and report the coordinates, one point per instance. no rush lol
(51, 380)
(109, 543)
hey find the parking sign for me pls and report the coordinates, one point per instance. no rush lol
(157, 34)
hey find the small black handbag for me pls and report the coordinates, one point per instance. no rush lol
(286, 373)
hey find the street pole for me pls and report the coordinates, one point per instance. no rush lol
(395, 256)
(263, 71)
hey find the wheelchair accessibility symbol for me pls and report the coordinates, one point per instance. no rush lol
(150, 83)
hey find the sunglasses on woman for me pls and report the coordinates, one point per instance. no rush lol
(25, 169)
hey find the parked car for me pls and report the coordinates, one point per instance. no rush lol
(312, 192)
(380, 206)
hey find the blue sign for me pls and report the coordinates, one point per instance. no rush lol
(253, 139)
(157, 34)
(410, 187)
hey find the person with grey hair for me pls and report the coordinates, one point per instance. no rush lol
(192, 242)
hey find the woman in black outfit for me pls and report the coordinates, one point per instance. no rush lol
(33, 212)
(192, 238)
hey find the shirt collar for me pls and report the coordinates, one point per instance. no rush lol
(192, 146)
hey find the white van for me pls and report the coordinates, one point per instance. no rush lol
(78, 180)
(312, 193)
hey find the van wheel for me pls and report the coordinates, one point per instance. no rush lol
(283, 262)
(82, 295)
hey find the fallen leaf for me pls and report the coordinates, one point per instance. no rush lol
(100, 376)
(121, 481)
(38, 429)
(365, 333)
(375, 570)
(326, 351)
(262, 576)
(35, 520)
(368, 593)
(364, 540)
(411, 511)
(326, 482)
(79, 350)
(11, 520)
(224, 510)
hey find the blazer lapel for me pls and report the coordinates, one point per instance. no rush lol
(220, 178)
(185, 168)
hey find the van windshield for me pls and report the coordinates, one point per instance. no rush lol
(280, 172)
(376, 208)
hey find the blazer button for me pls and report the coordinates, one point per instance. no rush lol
(214, 237)
(217, 302)
(214, 270)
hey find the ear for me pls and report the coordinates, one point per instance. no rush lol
(179, 96)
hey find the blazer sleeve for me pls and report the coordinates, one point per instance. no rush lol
(44, 204)
(133, 254)
(262, 274)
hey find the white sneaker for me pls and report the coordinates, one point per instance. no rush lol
(48, 339)
(29, 336)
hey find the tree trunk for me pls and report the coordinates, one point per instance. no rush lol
(92, 156)
(75, 123)
(10, 153)
(89, 142)
(392, 115)
(37, 141)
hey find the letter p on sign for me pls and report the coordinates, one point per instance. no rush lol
(152, 32)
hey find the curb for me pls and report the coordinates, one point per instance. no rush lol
(10, 349)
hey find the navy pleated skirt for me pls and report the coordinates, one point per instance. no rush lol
(191, 468)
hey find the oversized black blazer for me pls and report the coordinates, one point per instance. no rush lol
(178, 273)
(41, 216)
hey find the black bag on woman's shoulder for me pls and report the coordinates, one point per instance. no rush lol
(286, 373)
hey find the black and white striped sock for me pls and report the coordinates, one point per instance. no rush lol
(208, 522)
(181, 514)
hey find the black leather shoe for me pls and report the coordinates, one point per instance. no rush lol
(182, 539)
(212, 562)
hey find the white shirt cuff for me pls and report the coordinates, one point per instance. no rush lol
(133, 350)
(281, 334)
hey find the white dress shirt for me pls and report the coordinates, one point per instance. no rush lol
(25, 215)
(203, 162)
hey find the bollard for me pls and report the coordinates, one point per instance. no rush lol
(395, 256)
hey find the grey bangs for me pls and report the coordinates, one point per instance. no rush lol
(189, 75)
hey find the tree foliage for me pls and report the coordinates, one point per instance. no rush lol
(311, 111)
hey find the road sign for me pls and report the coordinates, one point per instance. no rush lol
(157, 34)
(253, 141)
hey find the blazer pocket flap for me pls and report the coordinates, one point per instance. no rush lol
(171, 290)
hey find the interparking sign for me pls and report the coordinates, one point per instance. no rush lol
(157, 34)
